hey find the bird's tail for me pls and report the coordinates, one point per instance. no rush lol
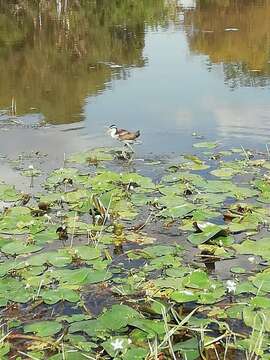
(137, 134)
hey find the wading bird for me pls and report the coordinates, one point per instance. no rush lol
(126, 137)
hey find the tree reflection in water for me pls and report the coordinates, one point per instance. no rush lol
(245, 54)
(55, 53)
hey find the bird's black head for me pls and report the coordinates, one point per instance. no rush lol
(113, 127)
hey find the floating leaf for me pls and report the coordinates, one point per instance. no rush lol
(87, 252)
(208, 232)
(224, 172)
(9, 193)
(53, 296)
(152, 327)
(183, 296)
(206, 144)
(238, 270)
(188, 349)
(19, 247)
(259, 247)
(257, 319)
(178, 211)
(262, 281)
(43, 328)
(114, 319)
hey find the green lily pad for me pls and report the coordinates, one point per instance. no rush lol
(259, 247)
(179, 211)
(9, 193)
(43, 328)
(235, 311)
(183, 296)
(206, 144)
(260, 302)
(114, 319)
(19, 247)
(238, 270)
(262, 281)
(135, 353)
(87, 252)
(53, 296)
(82, 276)
(160, 250)
(209, 231)
(197, 280)
(257, 319)
(58, 258)
(152, 327)
(224, 172)
(188, 349)
(4, 349)
(71, 354)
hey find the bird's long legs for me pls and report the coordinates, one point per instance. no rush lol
(129, 146)
(125, 154)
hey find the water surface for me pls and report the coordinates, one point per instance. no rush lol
(169, 68)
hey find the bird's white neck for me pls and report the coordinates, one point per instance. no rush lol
(112, 132)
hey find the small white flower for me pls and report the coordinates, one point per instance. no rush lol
(117, 344)
(59, 214)
(129, 341)
(231, 286)
(27, 286)
(31, 167)
(251, 259)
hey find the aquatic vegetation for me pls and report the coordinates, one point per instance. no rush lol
(106, 262)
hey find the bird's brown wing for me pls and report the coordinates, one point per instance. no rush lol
(121, 131)
(128, 136)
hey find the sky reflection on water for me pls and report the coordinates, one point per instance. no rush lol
(181, 68)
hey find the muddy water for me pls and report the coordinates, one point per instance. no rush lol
(168, 68)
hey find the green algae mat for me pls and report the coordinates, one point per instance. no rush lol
(119, 259)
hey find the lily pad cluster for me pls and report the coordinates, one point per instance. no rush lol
(112, 263)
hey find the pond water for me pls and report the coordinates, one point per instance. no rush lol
(168, 68)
